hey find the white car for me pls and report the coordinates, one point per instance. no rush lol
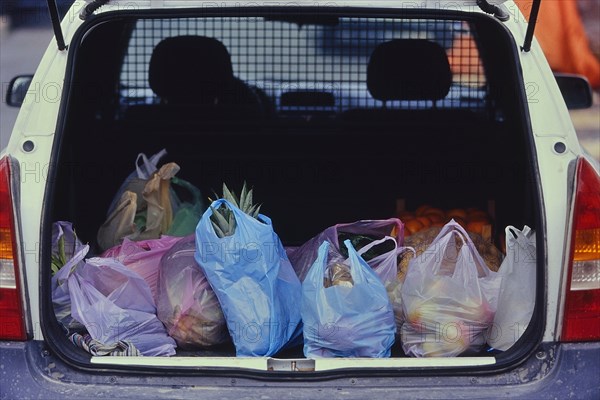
(334, 112)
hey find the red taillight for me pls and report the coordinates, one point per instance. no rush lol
(582, 304)
(12, 321)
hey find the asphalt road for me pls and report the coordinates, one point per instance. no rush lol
(22, 48)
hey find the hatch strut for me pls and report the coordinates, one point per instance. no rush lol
(533, 16)
(55, 18)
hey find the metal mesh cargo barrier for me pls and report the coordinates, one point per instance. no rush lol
(328, 57)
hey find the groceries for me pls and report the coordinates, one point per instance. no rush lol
(247, 266)
(369, 287)
(143, 257)
(67, 254)
(422, 240)
(147, 206)
(360, 233)
(425, 216)
(449, 297)
(115, 304)
(348, 315)
(517, 293)
(186, 303)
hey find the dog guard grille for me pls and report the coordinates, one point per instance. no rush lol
(327, 59)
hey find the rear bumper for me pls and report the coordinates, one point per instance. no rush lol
(563, 371)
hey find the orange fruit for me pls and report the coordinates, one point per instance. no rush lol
(476, 226)
(460, 221)
(457, 212)
(435, 211)
(478, 218)
(413, 226)
(405, 215)
(477, 214)
(420, 211)
(425, 221)
(435, 217)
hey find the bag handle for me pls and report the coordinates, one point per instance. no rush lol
(149, 166)
(480, 263)
(317, 272)
(396, 252)
(374, 243)
(72, 264)
(524, 240)
(447, 233)
(238, 214)
(390, 270)
(521, 237)
(360, 270)
(194, 191)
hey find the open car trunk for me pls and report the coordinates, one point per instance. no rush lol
(320, 150)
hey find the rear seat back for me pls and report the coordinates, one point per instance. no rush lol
(194, 80)
(408, 70)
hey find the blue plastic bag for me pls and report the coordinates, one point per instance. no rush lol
(351, 320)
(254, 281)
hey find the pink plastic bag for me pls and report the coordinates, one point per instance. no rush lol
(186, 303)
(304, 256)
(143, 257)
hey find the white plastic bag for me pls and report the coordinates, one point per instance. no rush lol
(449, 297)
(517, 292)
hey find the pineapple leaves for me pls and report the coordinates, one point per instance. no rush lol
(223, 219)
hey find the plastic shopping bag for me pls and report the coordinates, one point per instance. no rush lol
(67, 254)
(253, 280)
(359, 232)
(385, 267)
(141, 216)
(186, 303)
(143, 257)
(186, 218)
(517, 292)
(449, 297)
(136, 180)
(115, 304)
(353, 316)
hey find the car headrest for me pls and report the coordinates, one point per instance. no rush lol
(409, 69)
(184, 67)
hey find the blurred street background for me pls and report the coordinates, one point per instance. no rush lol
(26, 32)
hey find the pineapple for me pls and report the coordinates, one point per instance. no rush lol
(223, 219)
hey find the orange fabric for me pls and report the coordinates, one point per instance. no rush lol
(562, 36)
(463, 57)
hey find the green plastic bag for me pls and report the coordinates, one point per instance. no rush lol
(188, 214)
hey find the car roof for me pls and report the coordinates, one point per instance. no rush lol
(462, 5)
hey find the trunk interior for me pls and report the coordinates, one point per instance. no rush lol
(309, 169)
